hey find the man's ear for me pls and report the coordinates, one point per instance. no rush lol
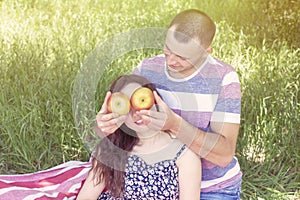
(209, 50)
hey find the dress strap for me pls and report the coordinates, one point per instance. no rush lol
(179, 153)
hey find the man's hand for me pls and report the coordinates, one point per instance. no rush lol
(107, 123)
(163, 119)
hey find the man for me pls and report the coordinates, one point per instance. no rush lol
(201, 102)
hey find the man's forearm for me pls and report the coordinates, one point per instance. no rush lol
(212, 146)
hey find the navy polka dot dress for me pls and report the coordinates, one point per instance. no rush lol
(149, 181)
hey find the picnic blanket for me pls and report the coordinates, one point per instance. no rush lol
(61, 182)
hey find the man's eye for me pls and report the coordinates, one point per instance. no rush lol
(182, 58)
(166, 51)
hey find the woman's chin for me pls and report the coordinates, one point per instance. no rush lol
(138, 127)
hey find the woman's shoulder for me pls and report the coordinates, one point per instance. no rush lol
(187, 157)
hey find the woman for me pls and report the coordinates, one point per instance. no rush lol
(136, 162)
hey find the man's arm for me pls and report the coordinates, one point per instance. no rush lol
(217, 146)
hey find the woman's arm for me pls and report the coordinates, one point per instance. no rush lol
(90, 190)
(190, 175)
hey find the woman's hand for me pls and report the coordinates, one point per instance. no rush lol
(107, 123)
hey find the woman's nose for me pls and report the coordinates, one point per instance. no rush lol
(134, 114)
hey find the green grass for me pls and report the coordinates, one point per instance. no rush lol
(44, 43)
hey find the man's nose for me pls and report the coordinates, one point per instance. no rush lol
(172, 59)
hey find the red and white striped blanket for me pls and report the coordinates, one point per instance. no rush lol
(61, 182)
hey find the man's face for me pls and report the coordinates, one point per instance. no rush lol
(183, 58)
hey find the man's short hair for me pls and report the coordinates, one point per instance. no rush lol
(193, 24)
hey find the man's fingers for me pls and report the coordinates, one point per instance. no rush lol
(110, 121)
(154, 120)
(153, 114)
(110, 129)
(107, 117)
(104, 105)
(157, 98)
(100, 133)
(105, 131)
(162, 105)
(107, 123)
(117, 121)
(156, 125)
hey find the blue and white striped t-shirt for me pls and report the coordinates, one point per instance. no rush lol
(212, 93)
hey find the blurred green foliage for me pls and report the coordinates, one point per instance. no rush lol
(262, 20)
(43, 44)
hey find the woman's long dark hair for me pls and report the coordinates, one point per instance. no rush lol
(111, 154)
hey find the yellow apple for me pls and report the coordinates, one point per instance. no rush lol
(118, 103)
(142, 99)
